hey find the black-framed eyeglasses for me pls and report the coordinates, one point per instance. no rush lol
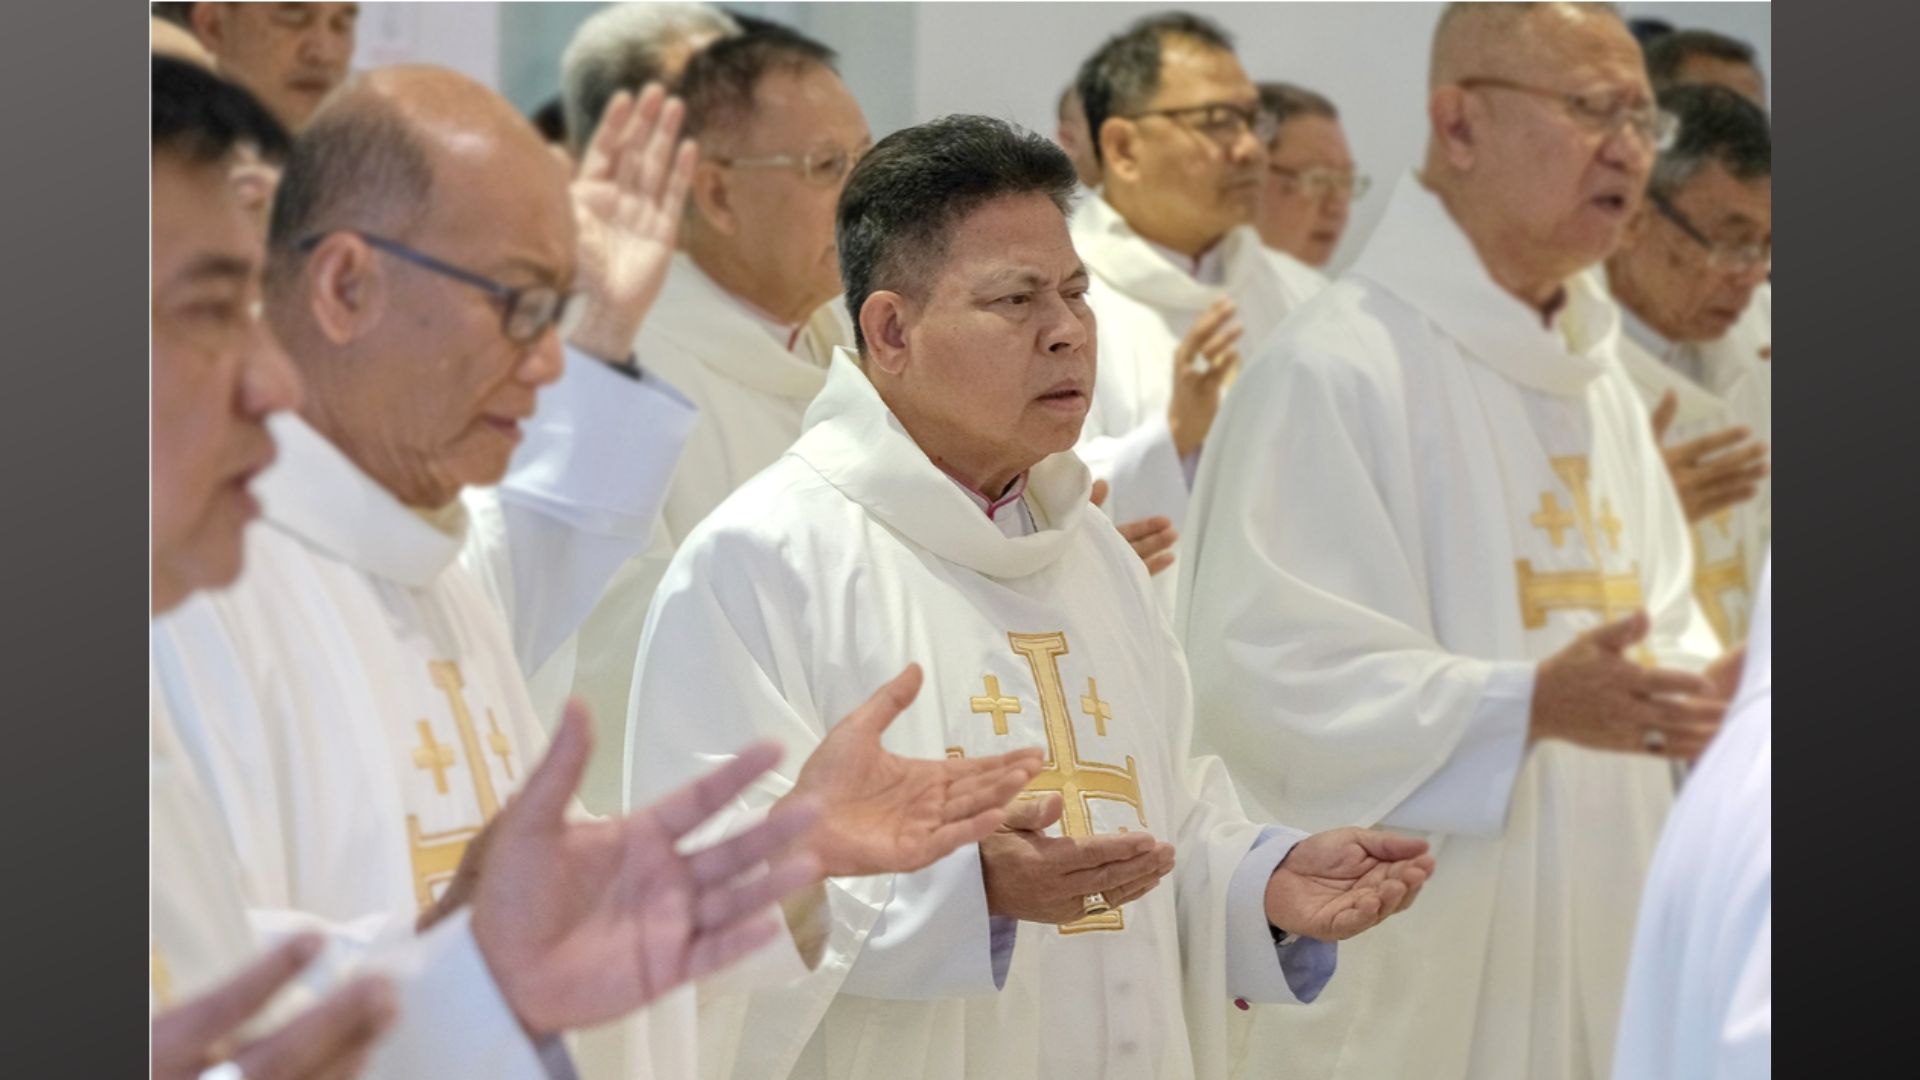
(1655, 126)
(525, 313)
(824, 166)
(1221, 121)
(1321, 181)
(1727, 258)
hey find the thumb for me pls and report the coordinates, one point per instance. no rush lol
(1623, 634)
(553, 781)
(1663, 415)
(877, 713)
(1391, 847)
(1100, 489)
(1032, 815)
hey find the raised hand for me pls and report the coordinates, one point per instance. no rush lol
(1714, 471)
(1591, 694)
(627, 198)
(329, 1041)
(883, 813)
(1335, 884)
(1151, 538)
(585, 921)
(1202, 363)
(1046, 879)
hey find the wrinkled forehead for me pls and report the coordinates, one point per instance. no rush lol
(1008, 239)
(497, 197)
(1580, 49)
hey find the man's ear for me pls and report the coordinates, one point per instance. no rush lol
(711, 197)
(1454, 117)
(1119, 148)
(209, 23)
(883, 322)
(346, 288)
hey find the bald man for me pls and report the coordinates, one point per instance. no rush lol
(1441, 582)
(356, 703)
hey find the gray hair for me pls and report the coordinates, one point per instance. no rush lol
(1124, 73)
(1716, 124)
(1668, 53)
(624, 47)
(1284, 101)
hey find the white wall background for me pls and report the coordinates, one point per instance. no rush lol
(910, 62)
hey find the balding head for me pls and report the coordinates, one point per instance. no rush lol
(1543, 131)
(410, 367)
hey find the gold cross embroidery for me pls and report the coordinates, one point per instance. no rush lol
(1078, 780)
(1091, 704)
(1586, 590)
(499, 744)
(1551, 518)
(435, 755)
(1711, 584)
(994, 703)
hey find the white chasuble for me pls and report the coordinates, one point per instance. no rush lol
(1699, 1001)
(1144, 305)
(356, 704)
(821, 579)
(751, 393)
(1415, 494)
(1729, 546)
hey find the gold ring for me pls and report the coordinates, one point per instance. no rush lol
(1095, 904)
(1654, 740)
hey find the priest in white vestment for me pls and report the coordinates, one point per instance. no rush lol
(1440, 580)
(1685, 274)
(1180, 276)
(356, 703)
(217, 375)
(1699, 1001)
(746, 322)
(932, 510)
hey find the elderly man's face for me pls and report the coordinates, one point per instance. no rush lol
(783, 216)
(1000, 357)
(289, 55)
(1203, 178)
(1741, 78)
(1676, 287)
(1309, 189)
(437, 403)
(217, 374)
(1565, 180)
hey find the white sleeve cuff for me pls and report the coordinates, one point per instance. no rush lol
(452, 1019)
(1469, 793)
(932, 939)
(1259, 969)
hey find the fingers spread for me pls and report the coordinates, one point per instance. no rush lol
(1689, 453)
(991, 791)
(725, 903)
(713, 951)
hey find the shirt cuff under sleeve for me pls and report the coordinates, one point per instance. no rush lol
(1259, 969)
(454, 1021)
(1469, 793)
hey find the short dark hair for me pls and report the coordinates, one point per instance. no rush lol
(550, 119)
(720, 80)
(1716, 124)
(203, 117)
(358, 165)
(175, 13)
(1123, 74)
(1284, 101)
(905, 197)
(1668, 53)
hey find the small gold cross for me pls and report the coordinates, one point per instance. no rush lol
(996, 705)
(1091, 704)
(498, 742)
(1553, 519)
(1609, 524)
(434, 755)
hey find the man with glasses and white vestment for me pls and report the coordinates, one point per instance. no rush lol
(1181, 278)
(1439, 579)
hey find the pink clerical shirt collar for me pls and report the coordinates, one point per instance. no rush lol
(786, 333)
(1019, 522)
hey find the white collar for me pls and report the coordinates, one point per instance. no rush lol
(1164, 280)
(724, 333)
(1207, 268)
(316, 494)
(1420, 254)
(856, 444)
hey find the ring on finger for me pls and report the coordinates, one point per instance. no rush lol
(1095, 904)
(1654, 740)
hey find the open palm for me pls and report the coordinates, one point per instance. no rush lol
(627, 198)
(883, 813)
(1335, 884)
(584, 921)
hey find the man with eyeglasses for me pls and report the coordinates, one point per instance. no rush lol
(355, 703)
(1684, 275)
(1440, 580)
(1311, 182)
(290, 56)
(1180, 277)
(746, 321)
